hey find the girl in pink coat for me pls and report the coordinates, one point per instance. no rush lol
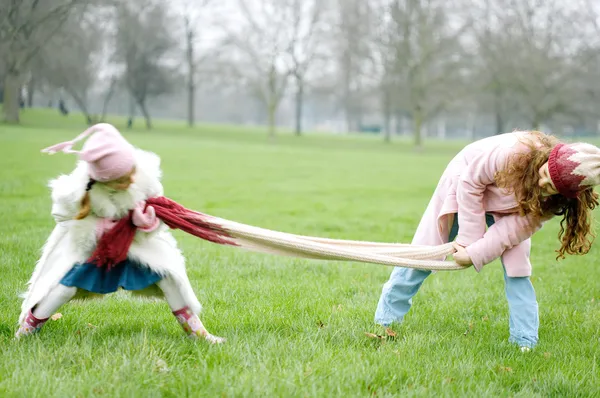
(511, 183)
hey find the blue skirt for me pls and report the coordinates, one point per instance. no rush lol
(129, 275)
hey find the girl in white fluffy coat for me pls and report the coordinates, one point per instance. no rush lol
(112, 181)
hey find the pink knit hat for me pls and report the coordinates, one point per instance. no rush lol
(108, 154)
(574, 167)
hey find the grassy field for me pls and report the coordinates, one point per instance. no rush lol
(294, 327)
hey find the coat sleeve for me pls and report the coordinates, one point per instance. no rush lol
(472, 184)
(67, 192)
(508, 232)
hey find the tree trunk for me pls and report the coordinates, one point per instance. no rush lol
(144, 110)
(536, 122)
(349, 113)
(191, 84)
(191, 100)
(131, 117)
(107, 98)
(471, 126)
(191, 103)
(346, 93)
(271, 109)
(499, 122)
(348, 120)
(498, 112)
(387, 116)
(442, 128)
(30, 92)
(12, 91)
(82, 107)
(418, 125)
(299, 105)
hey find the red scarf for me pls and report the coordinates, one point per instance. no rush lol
(114, 245)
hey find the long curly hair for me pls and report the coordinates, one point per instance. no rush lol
(521, 177)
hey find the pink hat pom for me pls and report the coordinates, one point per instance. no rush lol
(62, 147)
(67, 145)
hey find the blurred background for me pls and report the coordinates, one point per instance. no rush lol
(449, 69)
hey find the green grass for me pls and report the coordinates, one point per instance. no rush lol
(294, 327)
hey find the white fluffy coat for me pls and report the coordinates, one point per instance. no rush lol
(73, 241)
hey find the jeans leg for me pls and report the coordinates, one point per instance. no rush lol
(523, 310)
(522, 306)
(397, 293)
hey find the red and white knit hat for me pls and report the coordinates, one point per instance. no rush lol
(107, 153)
(574, 167)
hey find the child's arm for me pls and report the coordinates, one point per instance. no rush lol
(508, 232)
(144, 217)
(67, 192)
(472, 184)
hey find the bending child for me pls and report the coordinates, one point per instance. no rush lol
(511, 183)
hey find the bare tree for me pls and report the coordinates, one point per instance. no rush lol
(422, 58)
(67, 61)
(308, 18)
(144, 43)
(193, 20)
(190, 58)
(25, 27)
(31, 88)
(260, 51)
(530, 51)
(589, 83)
(108, 95)
(491, 65)
(386, 55)
(2, 74)
(353, 37)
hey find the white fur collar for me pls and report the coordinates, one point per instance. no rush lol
(107, 203)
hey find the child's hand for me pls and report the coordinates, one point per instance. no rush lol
(461, 256)
(145, 220)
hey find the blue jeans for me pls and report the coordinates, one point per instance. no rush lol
(397, 293)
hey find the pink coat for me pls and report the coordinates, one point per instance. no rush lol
(467, 187)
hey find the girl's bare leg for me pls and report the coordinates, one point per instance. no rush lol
(189, 321)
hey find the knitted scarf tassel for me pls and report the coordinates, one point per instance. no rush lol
(114, 245)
